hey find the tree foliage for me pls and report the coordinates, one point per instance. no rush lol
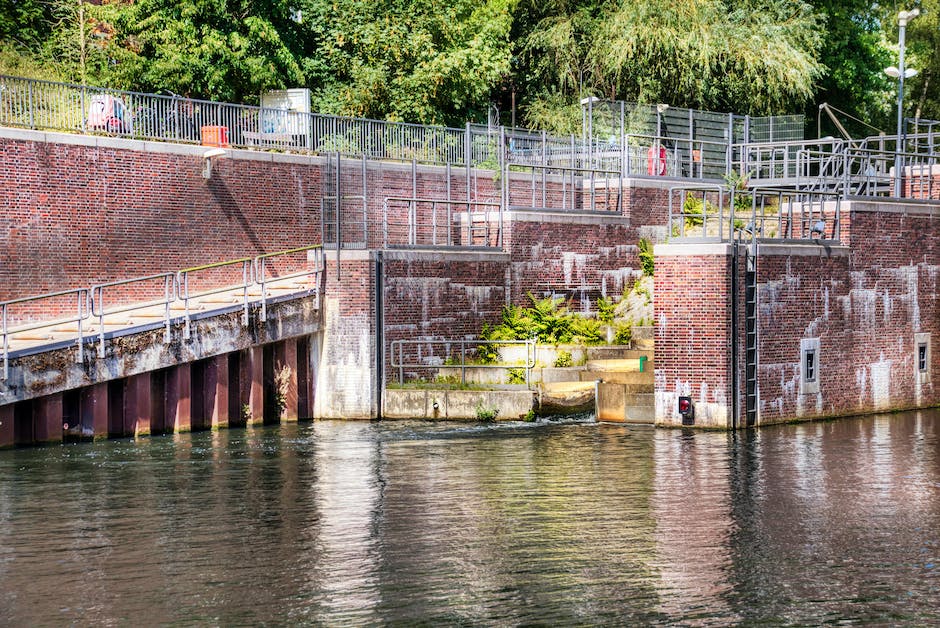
(449, 61)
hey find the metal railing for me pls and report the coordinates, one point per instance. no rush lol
(116, 297)
(37, 104)
(100, 309)
(185, 296)
(574, 189)
(462, 354)
(429, 222)
(82, 313)
(721, 213)
(262, 264)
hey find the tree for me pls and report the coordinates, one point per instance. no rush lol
(221, 49)
(423, 61)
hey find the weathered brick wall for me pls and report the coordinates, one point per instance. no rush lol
(581, 257)
(692, 306)
(865, 309)
(345, 380)
(439, 296)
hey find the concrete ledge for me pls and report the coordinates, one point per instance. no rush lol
(510, 405)
(693, 248)
(568, 217)
(792, 249)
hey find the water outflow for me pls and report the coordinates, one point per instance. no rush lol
(562, 523)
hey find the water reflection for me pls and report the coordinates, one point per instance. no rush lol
(364, 523)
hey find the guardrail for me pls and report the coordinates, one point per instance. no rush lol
(82, 313)
(719, 213)
(430, 222)
(175, 287)
(99, 308)
(577, 189)
(261, 264)
(456, 354)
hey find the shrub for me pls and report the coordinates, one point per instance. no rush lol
(564, 359)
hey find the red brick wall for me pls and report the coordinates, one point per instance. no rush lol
(578, 258)
(865, 309)
(435, 296)
(78, 215)
(693, 331)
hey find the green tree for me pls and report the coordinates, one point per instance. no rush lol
(422, 61)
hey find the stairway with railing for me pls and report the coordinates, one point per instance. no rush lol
(119, 308)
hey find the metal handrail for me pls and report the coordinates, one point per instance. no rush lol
(434, 202)
(83, 313)
(398, 359)
(183, 287)
(260, 266)
(170, 294)
(684, 191)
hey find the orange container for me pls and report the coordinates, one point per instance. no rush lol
(215, 136)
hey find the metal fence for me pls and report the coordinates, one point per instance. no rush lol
(438, 358)
(723, 213)
(39, 104)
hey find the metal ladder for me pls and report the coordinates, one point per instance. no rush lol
(750, 335)
(344, 226)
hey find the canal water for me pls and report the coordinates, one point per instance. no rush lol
(573, 523)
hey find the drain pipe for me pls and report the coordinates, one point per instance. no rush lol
(379, 333)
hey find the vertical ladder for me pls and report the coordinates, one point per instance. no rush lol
(750, 333)
(344, 224)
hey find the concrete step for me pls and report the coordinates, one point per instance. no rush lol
(620, 377)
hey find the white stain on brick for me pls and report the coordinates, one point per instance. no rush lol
(881, 383)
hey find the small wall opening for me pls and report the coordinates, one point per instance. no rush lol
(809, 366)
(923, 357)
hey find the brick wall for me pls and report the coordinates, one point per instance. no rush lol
(692, 306)
(439, 296)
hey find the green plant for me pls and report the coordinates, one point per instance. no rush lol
(623, 333)
(606, 307)
(486, 415)
(517, 375)
(586, 330)
(529, 416)
(246, 413)
(564, 359)
(647, 260)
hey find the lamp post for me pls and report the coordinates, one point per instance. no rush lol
(901, 73)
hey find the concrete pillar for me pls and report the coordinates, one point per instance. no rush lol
(94, 409)
(179, 398)
(285, 356)
(137, 405)
(251, 384)
(216, 391)
(6, 426)
(47, 419)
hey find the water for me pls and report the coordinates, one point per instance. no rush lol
(579, 523)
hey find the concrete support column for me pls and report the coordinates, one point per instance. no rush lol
(216, 394)
(6, 426)
(251, 384)
(137, 405)
(179, 398)
(94, 409)
(285, 357)
(47, 419)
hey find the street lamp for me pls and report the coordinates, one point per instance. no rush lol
(587, 122)
(901, 73)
